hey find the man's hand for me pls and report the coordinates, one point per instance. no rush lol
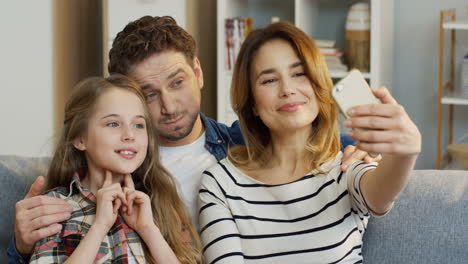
(37, 217)
(352, 154)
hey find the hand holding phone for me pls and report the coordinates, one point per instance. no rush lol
(351, 91)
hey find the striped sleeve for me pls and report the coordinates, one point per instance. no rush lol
(354, 175)
(218, 231)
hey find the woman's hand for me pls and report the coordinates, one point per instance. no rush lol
(388, 127)
(137, 213)
(109, 199)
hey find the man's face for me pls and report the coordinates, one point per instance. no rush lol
(172, 88)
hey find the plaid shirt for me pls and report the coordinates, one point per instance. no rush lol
(114, 248)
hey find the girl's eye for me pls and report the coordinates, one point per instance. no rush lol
(140, 125)
(112, 124)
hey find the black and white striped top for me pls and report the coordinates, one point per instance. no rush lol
(319, 218)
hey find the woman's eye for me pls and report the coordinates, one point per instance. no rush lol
(269, 81)
(112, 124)
(299, 74)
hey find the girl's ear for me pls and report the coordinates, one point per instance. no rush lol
(79, 144)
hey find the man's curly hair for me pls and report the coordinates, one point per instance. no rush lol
(146, 36)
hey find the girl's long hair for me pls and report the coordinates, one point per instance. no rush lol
(151, 177)
(323, 144)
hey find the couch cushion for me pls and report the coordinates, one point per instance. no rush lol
(16, 176)
(428, 224)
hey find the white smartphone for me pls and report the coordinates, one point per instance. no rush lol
(351, 91)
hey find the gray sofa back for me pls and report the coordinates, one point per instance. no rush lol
(429, 223)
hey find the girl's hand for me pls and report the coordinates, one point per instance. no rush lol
(390, 130)
(137, 213)
(109, 199)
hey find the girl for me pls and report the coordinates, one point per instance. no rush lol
(106, 165)
(283, 198)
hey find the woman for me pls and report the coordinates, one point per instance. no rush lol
(282, 198)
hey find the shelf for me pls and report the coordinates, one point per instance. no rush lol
(341, 74)
(456, 25)
(454, 99)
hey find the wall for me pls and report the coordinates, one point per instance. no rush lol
(416, 48)
(26, 78)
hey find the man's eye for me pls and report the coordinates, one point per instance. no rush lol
(112, 124)
(150, 94)
(177, 83)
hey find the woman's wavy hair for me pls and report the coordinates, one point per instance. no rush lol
(323, 144)
(151, 177)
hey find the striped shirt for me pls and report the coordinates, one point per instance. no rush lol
(118, 244)
(319, 218)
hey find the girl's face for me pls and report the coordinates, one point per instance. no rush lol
(116, 139)
(283, 95)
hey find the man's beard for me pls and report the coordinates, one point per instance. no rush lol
(180, 132)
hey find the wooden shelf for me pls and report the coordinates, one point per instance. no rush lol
(456, 25)
(454, 99)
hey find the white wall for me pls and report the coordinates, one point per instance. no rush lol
(26, 77)
(415, 79)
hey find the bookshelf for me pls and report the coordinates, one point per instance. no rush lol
(320, 19)
(116, 14)
(448, 92)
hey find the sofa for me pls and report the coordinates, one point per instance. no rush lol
(428, 224)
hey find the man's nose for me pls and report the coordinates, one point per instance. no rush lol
(168, 104)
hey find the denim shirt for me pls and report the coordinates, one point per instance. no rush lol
(219, 138)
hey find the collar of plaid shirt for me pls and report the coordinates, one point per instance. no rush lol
(114, 248)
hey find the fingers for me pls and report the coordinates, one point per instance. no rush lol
(36, 188)
(47, 220)
(46, 231)
(383, 110)
(131, 195)
(116, 205)
(370, 159)
(373, 135)
(383, 94)
(107, 179)
(128, 181)
(351, 157)
(41, 200)
(47, 210)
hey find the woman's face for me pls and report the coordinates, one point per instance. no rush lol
(116, 139)
(283, 95)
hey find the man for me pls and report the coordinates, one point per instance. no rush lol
(160, 56)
